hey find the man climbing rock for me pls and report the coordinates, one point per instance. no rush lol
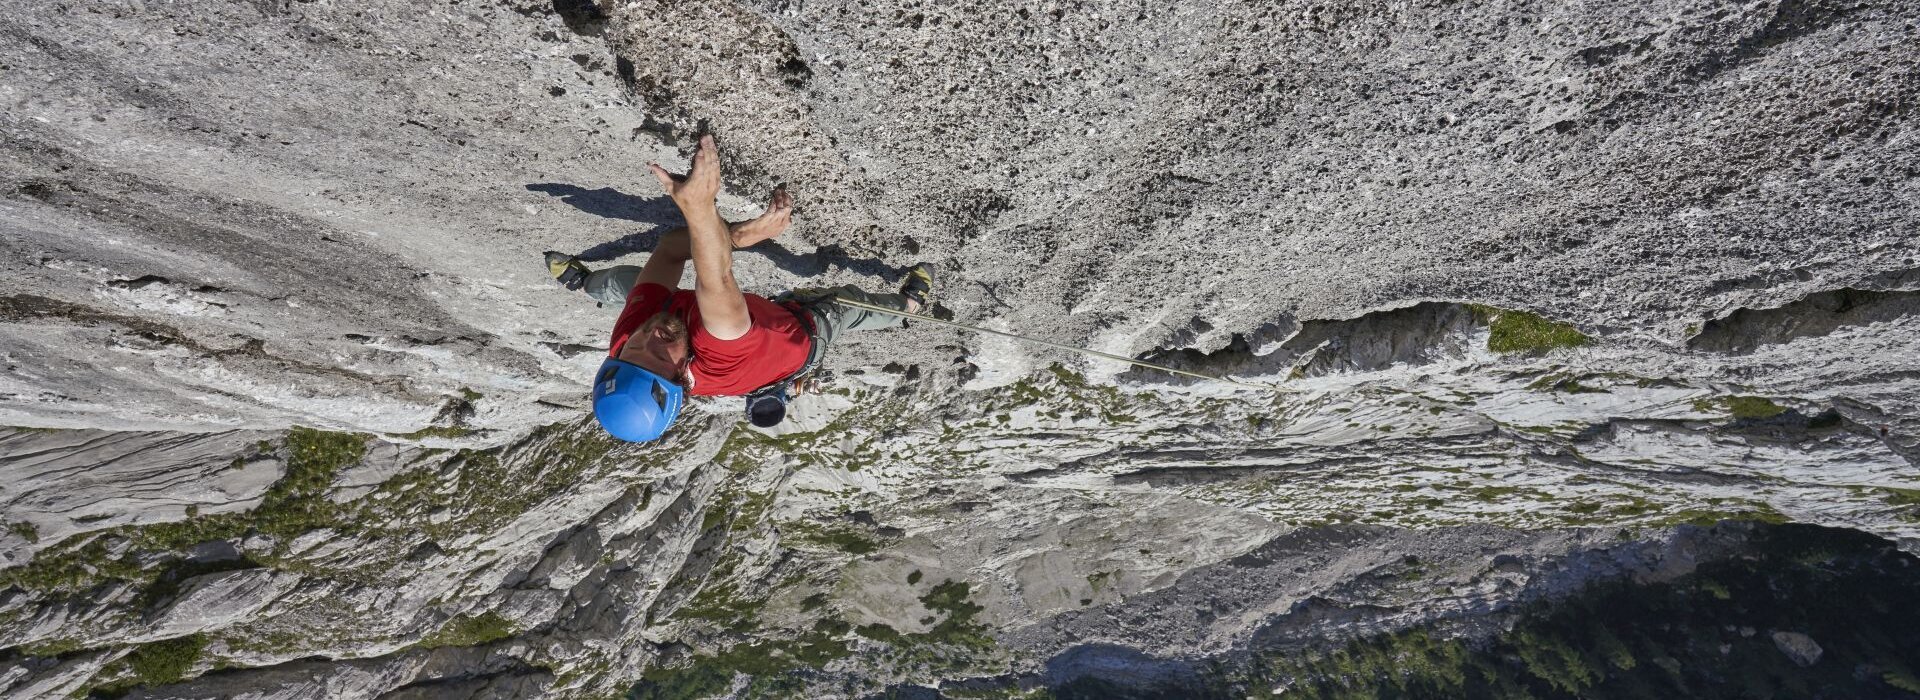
(714, 340)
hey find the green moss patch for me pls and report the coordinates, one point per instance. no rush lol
(483, 490)
(723, 604)
(1706, 517)
(957, 627)
(1740, 407)
(154, 664)
(297, 502)
(776, 668)
(1753, 407)
(435, 431)
(1564, 383)
(1900, 496)
(880, 633)
(720, 600)
(837, 537)
(468, 631)
(1518, 331)
(51, 648)
(1491, 494)
(163, 662)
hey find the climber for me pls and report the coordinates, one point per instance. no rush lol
(714, 340)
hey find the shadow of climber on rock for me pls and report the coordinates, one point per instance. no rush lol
(661, 213)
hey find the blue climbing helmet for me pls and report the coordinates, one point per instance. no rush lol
(634, 404)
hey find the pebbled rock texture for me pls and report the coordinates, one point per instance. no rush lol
(299, 413)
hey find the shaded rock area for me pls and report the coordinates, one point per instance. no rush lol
(1818, 314)
(1566, 309)
(1421, 334)
(1690, 631)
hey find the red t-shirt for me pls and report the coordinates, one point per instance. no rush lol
(775, 346)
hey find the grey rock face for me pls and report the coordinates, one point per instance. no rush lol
(223, 220)
(213, 601)
(57, 484)
(1799, 647)
(349, 250)
(235, 268)
(1151, 165)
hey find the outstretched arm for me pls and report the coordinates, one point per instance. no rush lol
(723, 310)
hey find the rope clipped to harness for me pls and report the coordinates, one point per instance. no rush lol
(1059, 346)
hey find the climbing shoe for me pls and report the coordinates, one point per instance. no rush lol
(570, 273)
(919, 286)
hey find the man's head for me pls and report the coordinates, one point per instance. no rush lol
(638, 394)
(660, 345)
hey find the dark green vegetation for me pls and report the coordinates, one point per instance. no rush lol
(769, 667)
(153, 664)
(957, 627)
(777, 669)
(25, 530)
(843, 538)
(1704, 517)
(465, 631)
(730, 598)
(1740, 407)
(1905, 499)
(1704, 635)
(436, 431)
(298, 503)
(159, 663)
(732, 588)
(1519, 331)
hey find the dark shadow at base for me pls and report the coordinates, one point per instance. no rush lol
(663, 215)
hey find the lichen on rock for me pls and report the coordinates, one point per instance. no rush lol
(1570, 308)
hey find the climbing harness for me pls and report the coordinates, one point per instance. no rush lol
(767, 405)
(1058, 346)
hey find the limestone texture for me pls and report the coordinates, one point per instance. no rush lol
(1799, 647)
(1554, 297)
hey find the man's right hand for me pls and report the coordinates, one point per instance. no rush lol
(695, 192)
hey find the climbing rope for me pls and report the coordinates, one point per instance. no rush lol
(1059, 346)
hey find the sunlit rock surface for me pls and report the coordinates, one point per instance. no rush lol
(299, 414)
